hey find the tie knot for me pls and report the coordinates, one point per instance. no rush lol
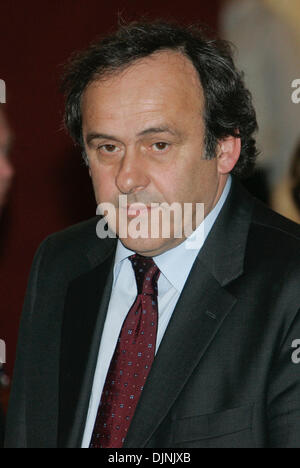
(146, 274)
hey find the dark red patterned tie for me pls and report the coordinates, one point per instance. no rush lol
(132, 360)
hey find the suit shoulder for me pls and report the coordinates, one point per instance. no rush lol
(74, 238)
(274, 236)
(281, 227)
(75, 233)
(70, 247)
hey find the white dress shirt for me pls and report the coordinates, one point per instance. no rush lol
(175, 266)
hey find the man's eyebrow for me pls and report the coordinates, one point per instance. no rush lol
(147, 131)
(97, 136)
(163, 129)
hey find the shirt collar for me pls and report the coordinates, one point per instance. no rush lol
(182, 254)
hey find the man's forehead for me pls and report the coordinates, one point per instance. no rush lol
(162, 59)
(148, 81)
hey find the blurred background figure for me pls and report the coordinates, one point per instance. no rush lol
(289, 10)
(6, 175)
(268, 53)
(6, 169)
(4, 386)
(286, 195)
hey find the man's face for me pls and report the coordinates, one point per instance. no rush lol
(6, 170)
(144, 137)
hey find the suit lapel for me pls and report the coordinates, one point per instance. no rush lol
(198, 315)
(84, 316)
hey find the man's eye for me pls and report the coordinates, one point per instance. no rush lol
(160, 146)
(108, 148)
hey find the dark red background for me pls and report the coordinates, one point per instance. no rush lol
(52, 189)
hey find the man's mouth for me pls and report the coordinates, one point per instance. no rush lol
(137, 209)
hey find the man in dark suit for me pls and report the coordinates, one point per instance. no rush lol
(160, 341)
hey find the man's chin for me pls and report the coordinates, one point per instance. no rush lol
(149, 247)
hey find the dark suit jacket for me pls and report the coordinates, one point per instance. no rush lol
(223, 375)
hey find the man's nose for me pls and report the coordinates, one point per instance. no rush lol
(132, 175)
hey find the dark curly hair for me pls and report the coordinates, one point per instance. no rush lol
(228, 104)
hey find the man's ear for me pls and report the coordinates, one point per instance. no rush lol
(228, 153)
